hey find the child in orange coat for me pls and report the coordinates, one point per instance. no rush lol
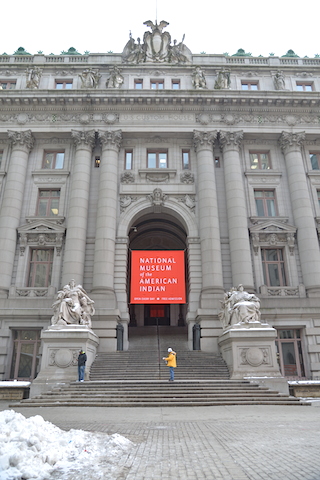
(171, 360)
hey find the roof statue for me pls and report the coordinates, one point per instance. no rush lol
(156, 47)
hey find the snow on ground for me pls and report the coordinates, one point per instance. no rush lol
(32, 448)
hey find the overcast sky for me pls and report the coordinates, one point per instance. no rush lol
(261, 28)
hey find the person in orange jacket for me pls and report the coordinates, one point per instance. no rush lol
(171, 360)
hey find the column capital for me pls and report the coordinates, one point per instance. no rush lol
(204, 139)
(293, 140)
(231, 139)
(81, 138)
(111, 139)
(24, 139)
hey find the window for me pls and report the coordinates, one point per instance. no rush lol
(138, 84)
(7, 85)
(304, 86)
(25, 359)
(40, 267)
(63, 85)
(318, 193)
(97, 162)
(128, 159)
(289, 350)
(53, 160)
(186, 159)
(249, 85)
(260, 161)
(315, 160)
(1, 157)
(48, 203)
(265, 203)
(156, 84)
(175, 84)
(273, 267)
(157, 159)
(217, 162)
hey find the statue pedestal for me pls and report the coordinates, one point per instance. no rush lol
(60, 350)
(250, 351)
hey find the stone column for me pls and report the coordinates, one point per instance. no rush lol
(74, 256)
(241, 263)
(10, 213)
(212, 278)
(307, 240)
(104, 255)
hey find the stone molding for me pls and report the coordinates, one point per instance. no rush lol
(289, 139)
(81, 138)
(25, 139)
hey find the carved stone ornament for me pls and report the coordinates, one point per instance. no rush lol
(110, 118)
(127, 177)
(111, 138)
(288, 139)
(230, 139)
(33, 75)
(157, 197)
(63, 357)
(21, 138)
(189, 201)
(255, 356)
(198, 79)
(116, 79)
(156, 47)
(126, 201)
(223, 80)
(86, 138)
(41, 233)
(204, 139)
(187, 177)
(273, 233)
(90, 78)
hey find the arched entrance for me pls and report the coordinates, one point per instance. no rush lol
(157, 232)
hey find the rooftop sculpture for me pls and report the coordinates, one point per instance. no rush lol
(156, 47)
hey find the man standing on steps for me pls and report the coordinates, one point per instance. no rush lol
(171, 360)
(82, 358)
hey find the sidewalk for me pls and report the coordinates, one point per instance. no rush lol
(212, 443)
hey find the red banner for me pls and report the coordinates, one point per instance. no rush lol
(157, 276)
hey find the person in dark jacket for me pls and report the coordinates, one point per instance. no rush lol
(82, 358)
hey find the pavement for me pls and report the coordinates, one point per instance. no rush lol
(195, 443)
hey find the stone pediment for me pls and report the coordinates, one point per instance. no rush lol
(41, 233)
(273, 226)
(41, 226)
(273, 233)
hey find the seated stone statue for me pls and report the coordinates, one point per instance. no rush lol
(72, 306)
(239, 307)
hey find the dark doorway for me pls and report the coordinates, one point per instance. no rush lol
(156, 315)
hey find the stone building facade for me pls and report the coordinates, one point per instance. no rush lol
(159, 148)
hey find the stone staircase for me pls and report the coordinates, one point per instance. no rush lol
(139, 378)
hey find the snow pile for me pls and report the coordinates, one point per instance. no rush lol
(31, 448)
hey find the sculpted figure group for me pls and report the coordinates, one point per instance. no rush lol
(156, 47)
(72, 306)
(239, 308)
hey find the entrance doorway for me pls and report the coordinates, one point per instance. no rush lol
(156, 315)
(290, 355)
(25, 359)
(157, 232)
